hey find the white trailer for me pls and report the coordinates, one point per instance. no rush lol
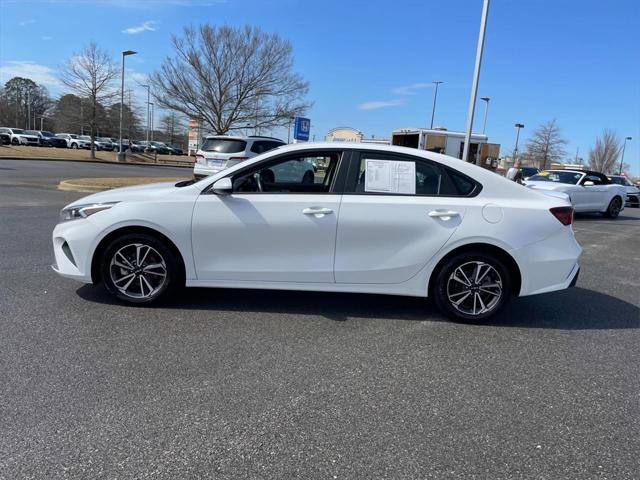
(446, 142)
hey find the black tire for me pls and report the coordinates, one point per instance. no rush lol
(15, 141)
(446, 289)
(159, 253)
(74, 146)
(613, 210)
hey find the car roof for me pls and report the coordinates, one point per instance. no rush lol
(245, 138)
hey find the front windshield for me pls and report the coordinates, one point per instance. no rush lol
(17, 130)
(47, 134)
(557, 177)
(621, 181)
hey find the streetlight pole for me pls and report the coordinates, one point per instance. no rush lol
(476, 78)
(289, 130)
(624, 147)
(515, 150)
(435, 98)
(486, 112)
(121, 155)
(148, 105)
(151, 119)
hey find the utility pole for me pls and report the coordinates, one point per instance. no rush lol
(476, 78)
(515, 150)
(486, 112)
(435, 98)
(624, 147)
(121, 154)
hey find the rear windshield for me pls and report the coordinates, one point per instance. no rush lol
(557, 177)
(224, 145)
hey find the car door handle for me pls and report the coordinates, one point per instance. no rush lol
(317, 211)
(443, 214)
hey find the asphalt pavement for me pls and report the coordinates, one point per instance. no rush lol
(266, 384)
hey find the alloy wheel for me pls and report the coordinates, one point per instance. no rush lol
(474, 288)
(138, 271)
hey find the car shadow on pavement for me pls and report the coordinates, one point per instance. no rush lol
(573, 309)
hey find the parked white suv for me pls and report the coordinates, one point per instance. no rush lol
(222, 151)
(20, 137)
(74, 141)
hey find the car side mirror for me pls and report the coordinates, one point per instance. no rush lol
(588, 183)
(223, 186)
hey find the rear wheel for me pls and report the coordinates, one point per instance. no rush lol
(613, 210)
(472, 286)
(139, 268)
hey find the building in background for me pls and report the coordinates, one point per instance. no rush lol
(348, 134)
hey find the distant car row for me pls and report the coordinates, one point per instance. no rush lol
(43, 138)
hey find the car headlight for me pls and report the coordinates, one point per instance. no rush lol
(83, 211)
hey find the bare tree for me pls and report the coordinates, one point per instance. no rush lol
(546, 144)
(89, 75)
(603, 157)
(231, 78)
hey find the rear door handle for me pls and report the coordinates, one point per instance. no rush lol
(318, 212)
(443, 214)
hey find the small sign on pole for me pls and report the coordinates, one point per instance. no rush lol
(301, 129)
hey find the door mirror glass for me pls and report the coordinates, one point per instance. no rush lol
(223, 186)
(588, 183)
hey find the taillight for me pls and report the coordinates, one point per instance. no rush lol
(563, 214)
(200, 159)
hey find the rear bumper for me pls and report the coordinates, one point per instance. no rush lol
(550, 264)
(201, 171)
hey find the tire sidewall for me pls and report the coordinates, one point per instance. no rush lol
(440, 285)
(609, 213)
(171, 263)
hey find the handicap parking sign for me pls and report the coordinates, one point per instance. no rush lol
(301, 129)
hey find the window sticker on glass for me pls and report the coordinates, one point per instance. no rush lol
(389, 176)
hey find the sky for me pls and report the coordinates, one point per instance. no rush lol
(370, 63)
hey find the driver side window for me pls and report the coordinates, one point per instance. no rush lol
(308, 173)
(592, 178)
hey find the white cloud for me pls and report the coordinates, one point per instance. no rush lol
(411, 89)
(40, 74)
(24, 23)
(138, 77)
(375, 105)
(148, 26)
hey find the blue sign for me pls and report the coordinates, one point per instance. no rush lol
(301, 129)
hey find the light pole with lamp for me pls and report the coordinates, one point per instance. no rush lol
(624, 146)
(486, 112)
(515, 150)
(122, 156)
(435, 98)
(151, 119)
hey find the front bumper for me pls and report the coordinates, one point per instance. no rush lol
(73, 247)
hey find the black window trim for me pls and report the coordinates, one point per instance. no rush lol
(354, 170)
(337, 182)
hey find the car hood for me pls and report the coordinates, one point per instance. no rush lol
(147, 192)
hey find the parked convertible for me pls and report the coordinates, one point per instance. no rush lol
(588, 191)
(373, 219)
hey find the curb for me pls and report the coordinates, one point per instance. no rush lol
(109, 162)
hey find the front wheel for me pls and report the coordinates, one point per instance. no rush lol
(74, 146)
(613, 210)
(472, 286)
(139, 268)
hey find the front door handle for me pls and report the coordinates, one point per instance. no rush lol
(317, 212)
(443, 214)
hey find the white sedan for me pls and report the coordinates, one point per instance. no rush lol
(588, 191)
(374, 219)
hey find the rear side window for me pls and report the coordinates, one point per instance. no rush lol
(261, 146)
(224, 145)
(379, 173)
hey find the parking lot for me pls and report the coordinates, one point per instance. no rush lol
(225, 383)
